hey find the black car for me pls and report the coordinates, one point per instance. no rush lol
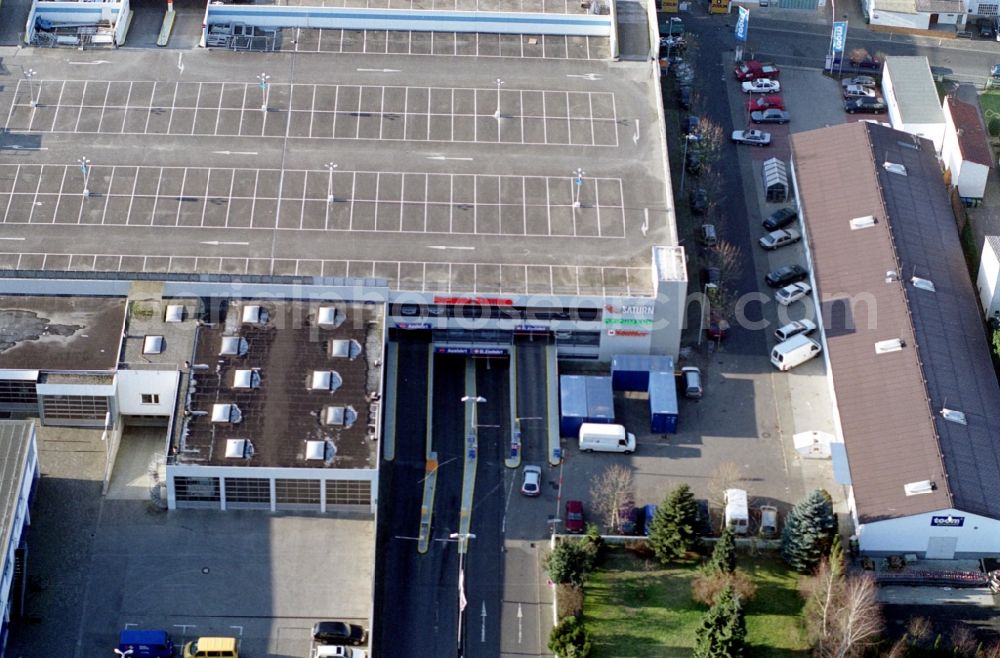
(866, 62)
(711, 276)
(338, 632)
(783, 276)
(986, 28)
(692, 162)
(691, 125)
(698, 200)
(684, 97)
(780, 219)
(866, 105)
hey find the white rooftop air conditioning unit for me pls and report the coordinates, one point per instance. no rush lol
(234, 346)
(329, 317)
(320, 450)
(325, 380)
(246, 378)
(917, 488)
(886, 346)
(153, 345)
(862, 222)
(343, 348)
(253, 314)
(239, 449)
(226, 413)
(175, 313)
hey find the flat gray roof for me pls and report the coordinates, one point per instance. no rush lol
(914, 89)
(147, 322)
(431, 192)
(15, 440)
(890, 403)
(60, 333)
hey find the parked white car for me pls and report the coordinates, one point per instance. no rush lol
(761, 86)
(751, 137)
(792, 293)
(780, 238)
(858, 91)
(794, 328)
(863, 80)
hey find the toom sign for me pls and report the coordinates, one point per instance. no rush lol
(628, 333)
(948, 521)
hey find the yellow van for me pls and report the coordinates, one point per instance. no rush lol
(211, 647)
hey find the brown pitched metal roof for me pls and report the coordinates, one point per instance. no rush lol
(972, 139)
(885, 415)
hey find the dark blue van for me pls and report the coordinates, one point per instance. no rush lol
(649, 513)
(146, 644)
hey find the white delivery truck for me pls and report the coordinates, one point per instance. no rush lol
(606, 438)
(737, 515)
(794, 351)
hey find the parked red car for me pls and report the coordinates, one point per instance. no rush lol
(574, 516)
(762, 103)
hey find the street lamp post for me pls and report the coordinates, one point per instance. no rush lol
(28, 75)
(578, 182)
(497, 114)
(687, 139)
(264, 87)
(463, 544)
(329, 184)
(85, 168)
(479, 399)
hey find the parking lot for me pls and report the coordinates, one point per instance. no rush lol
(99, 565)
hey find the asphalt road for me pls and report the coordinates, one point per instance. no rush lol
(484, 562)
(400, 589)
(531, 399)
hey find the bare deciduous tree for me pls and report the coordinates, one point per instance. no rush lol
(725, 476)
(843, 616)
(710, 140)
(612, 491)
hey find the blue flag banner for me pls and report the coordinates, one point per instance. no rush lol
(839, 37)
(742, 24)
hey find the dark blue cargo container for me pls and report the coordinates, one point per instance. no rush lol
(584, 400)
(572, 404)
(662, 403)
(630, 372)
(600, 400)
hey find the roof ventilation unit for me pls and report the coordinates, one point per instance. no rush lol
(254, 315)
(339, 416)
(954, 416)
(859, 223)
(917, 488)
(234, 346)
(325, 380)
(239, 449)
(153, 345)
(246, 378)
(175, 313)
(894, 168)
(320, 451)
(226, 413)
(923, 284)
(342, 348)
(891, 276)
(329, 317)
(886, 346)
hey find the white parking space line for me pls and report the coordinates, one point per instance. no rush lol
(59, 105)
(371, 106)
(487, 201)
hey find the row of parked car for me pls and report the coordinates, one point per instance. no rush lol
(760, 81)
(331, 639)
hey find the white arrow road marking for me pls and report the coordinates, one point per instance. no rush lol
(482, 632)
(235, 152)
(442, 247)
(520, 615)
(445, 157)
(379, 70)
(217, 243)
(96, 61)
(635, 137)
(18, 147)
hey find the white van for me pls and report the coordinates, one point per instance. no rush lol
(737, 516)
(794, 351)
(606, 438)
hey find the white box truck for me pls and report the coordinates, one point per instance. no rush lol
(737, 515)
(606, 438)
(794, 351)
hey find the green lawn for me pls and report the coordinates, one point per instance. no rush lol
(989, 101)
(636, 608)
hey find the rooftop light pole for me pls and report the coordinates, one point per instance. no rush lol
(264, 87)
(578, 182)
(28, 75)
(85, 168)
(330, 166)
(497, 115)
(127, 652)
